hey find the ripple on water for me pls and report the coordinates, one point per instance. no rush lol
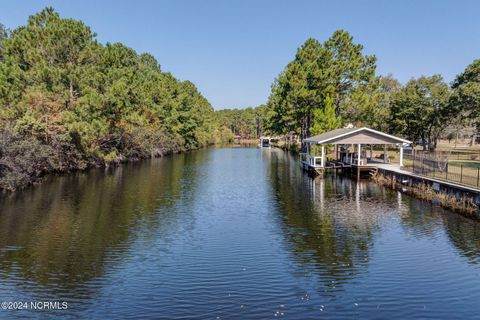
(234, 234)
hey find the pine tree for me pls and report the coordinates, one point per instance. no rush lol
(325, 118)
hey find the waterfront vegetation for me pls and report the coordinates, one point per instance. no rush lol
(247, 123)
(332, 84)
(68, 102)
(464, 205)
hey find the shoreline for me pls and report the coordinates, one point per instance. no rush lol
(38, 180)
(463, 205)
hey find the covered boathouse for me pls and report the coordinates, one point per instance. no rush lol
(350, 150)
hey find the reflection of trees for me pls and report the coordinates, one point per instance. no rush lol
(61, 231)
(426, 220)
(329, 222)
(421, 219)
(464, 234)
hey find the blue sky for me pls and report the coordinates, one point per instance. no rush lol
(233, 50)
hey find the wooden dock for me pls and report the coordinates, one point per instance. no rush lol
(333, 165)
(408, 178)
(397, 174)
(351, 158)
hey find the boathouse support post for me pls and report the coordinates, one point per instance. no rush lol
(359, 152)
(385, 156)
(401, 156)
(323, 156)
(314, 155)
(353, 150)
(307, 153)
(346, 153)
(358, 160)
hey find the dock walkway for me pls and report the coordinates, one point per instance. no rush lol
(436, 183)
(400, 175)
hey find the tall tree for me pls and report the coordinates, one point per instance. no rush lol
(327, 119)
(336, 69)
(348, 68)
(297, 91)
(466, 93)
(420, 110)
(369, 104)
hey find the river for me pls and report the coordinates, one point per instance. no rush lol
(233, 233)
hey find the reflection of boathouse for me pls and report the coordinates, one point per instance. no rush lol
(267, 142)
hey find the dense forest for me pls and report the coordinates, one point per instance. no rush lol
(332, 84)
(68, 102)
(247, 123)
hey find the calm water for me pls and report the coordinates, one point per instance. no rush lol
(233, 234)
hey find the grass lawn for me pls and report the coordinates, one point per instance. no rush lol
(470, 164)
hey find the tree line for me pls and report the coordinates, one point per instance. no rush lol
(68, 102)
(332, 84)
(248, 123)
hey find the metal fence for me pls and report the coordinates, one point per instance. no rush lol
(442, 165)
(457, 155)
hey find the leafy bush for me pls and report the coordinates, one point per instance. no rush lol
(24, 159)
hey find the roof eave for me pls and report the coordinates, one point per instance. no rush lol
(326, 141)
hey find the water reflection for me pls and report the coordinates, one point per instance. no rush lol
(334, 246)
(234, 233)
(60, 233)
(464, 235)
(332, 222)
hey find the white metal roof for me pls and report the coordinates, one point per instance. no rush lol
(330, 136)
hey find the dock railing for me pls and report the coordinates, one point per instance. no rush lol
(445, 166)
(314, 161)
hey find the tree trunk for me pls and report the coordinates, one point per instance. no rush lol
(302, 130)
(307, 131)
(337, 104)
(304, 133)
